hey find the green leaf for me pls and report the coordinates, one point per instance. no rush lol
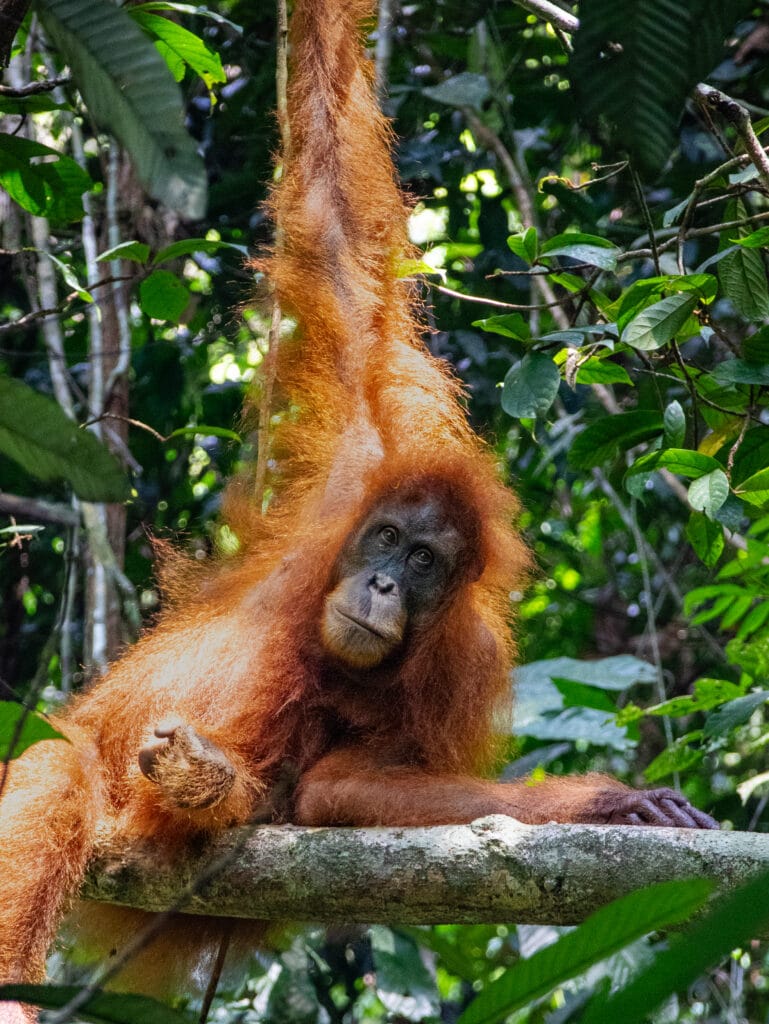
(101, 1008)
(755, 240)
(676, 758)
(569, 238)
(463, 90)
(742, 272)
(576, 337)
(602, 934)
(403, 983)
(706, 538)
(35, 433)
(675, 425)
(658, 324)
(731, 924)
(602, 371)
(31, 726)
(708, 493)
(189, 246)
(67, 272)
(751, 456)
(139, 252)
(525, 245)
(634, 65)
(23, 106)
(738, 371)
(671, 215)
(509, 325)
(677, 460)
(41, 180)
(602, 440)
(580, 695)
(754, 620)
(163, 296)
(204, 430)
(619, 672)
(128, 89)
(708, 693)
(755, 349)
(193, 9)
(755, 490)
(531, 386)
(183, 44)
(592, 249)
(638, 295)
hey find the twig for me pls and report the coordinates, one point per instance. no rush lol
(711, 229)
(34, 88)
(131, 422)
(494, 302)
(37, 510)
(638, 188)
(736, 446)
(216, 972)
(551, 12)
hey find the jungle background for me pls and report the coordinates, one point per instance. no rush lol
(592, 205)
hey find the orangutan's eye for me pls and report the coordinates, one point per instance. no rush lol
(422, 558)
(389, 536)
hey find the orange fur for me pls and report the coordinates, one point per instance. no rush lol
(367, 413)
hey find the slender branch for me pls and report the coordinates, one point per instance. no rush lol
(551, 12)
(494, 302)
(38, 511)
(643, 205)
(34, 88)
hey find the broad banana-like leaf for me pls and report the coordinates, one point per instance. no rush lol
(129, 90)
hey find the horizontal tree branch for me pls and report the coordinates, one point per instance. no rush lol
(493, 870)
(37, 510)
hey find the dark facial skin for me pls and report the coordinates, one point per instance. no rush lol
(395, 571)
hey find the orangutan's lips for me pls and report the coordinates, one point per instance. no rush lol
(362, 624)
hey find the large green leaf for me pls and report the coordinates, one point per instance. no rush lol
(602, 934)
(732, 923)
(531, 386)
(35, 432)
(658, 324)
(602, 440)
(463, 90)
(708, 493)
(128, 88)
(677, 460)
(179, 46)
(741, 271)
(41, 180)
(634, 64)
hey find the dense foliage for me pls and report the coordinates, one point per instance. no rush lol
(594, 226)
